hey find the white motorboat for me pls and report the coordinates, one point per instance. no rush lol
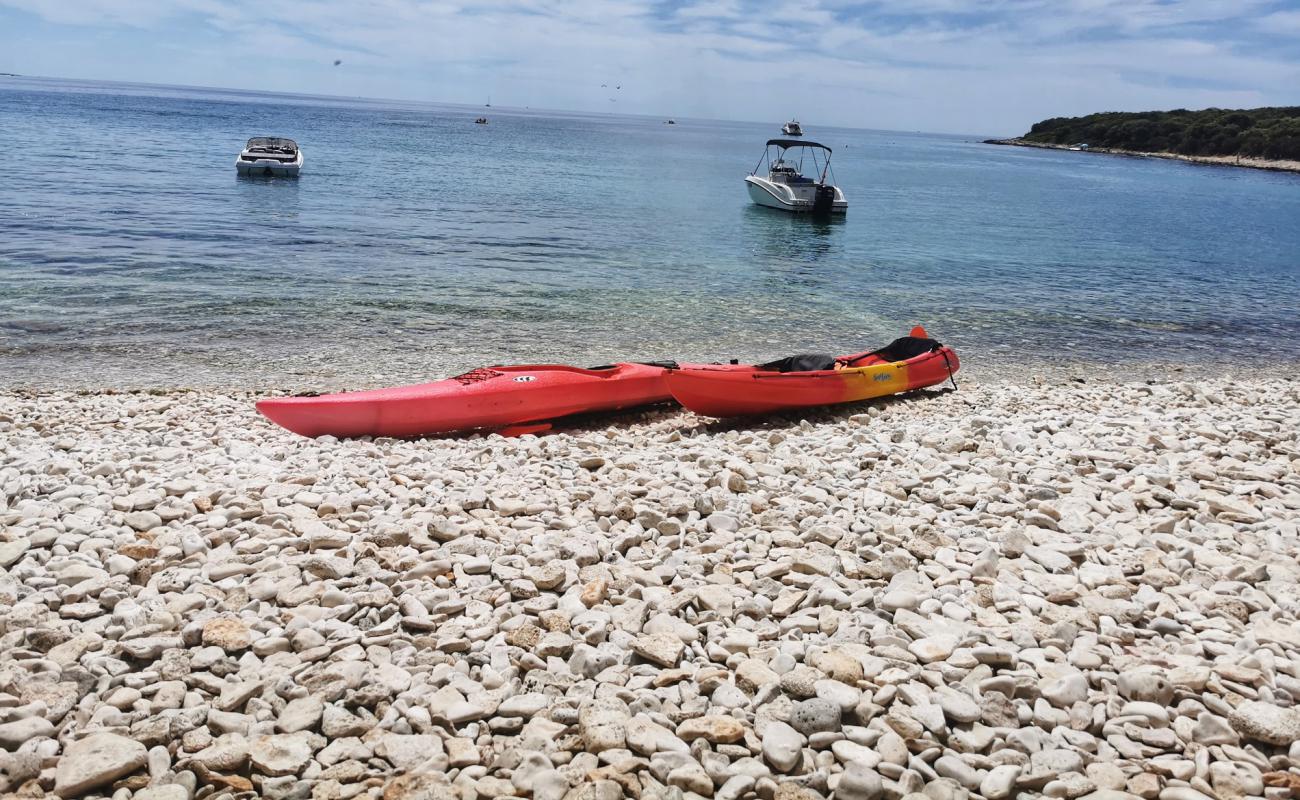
(269, 155)
(784, 186)
(792, 128)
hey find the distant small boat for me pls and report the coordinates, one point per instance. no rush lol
(481, 121)
(1079, 146)
(271, 156)
(792, 128)
(670, 122)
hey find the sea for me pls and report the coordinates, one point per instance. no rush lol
(417, 244)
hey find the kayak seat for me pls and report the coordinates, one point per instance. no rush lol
(806, 362)
(900, 349)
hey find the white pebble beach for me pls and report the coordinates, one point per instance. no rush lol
(1012, 590)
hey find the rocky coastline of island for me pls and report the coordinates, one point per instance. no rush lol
(1273, 165)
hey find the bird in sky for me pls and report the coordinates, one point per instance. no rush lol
(338, 61)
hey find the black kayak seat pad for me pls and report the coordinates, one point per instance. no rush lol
(900, 349)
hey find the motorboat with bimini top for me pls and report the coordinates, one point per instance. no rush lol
(514, 399)
(785, 187)
(803, 381)
(270, 155)
(792, 128)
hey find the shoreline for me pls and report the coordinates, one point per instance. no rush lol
(989, 372)
(1074, 590)
(1215, 161)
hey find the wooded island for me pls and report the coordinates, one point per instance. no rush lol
(1266, 138)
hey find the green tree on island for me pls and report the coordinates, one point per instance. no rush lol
(1272, 133)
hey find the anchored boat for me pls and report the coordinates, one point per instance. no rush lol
(734, 390)
(783, 186)
(792, 128)
(271, 156)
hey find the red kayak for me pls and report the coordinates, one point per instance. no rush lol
(735, 390)
(493, 398)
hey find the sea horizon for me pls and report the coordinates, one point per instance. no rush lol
(448, 104)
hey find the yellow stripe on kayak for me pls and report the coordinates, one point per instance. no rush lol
(876, 380)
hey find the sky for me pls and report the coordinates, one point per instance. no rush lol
(953, 66)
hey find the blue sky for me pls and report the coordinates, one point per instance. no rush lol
(936, 65)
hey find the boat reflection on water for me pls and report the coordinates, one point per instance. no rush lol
(791, 237)
(793, 250)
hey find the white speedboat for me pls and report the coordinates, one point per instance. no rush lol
(784, 186)
(269, 155)
(792, 128)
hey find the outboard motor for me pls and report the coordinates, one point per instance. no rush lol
(824, 201)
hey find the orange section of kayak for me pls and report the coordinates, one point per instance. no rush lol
(744, 390)
(487, 398)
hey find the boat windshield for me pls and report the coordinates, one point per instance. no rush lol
(272, 144)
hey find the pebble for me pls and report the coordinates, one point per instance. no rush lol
(1073, 590)
(782, 745)
(95, 761)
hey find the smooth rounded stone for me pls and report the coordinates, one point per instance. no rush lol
(300, 714)
(753, 674)
(728, 695)
(602, 723)
(14, 734)
(647, 737)
(957, 706)
(1113, 794)
(815, 715)
(281, 754)
(943, 789)
(228, 634)
(892, 748)
(1182, 793)
(715, 729)
(933, 648)
(895, 599)
(847, 752)
(958, 770)
(801, 682)
(227, 753)
(735, 787)
(1211, 729)
(690, 777)
(839, 693)
(996, 657)
(661, 648)
(1232, 781)
(1000, 781)
(523, 705)
(169, 791)
(1056, 761)
(1069, 785)
(782, 745)
(97, 760)
(407, 751)
(1066, 690)
(1265, 722)
(859, 782)
(837, 665)
(1145, 684)
(1105, 775)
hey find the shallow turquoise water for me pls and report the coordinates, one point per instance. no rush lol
(417, 244)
